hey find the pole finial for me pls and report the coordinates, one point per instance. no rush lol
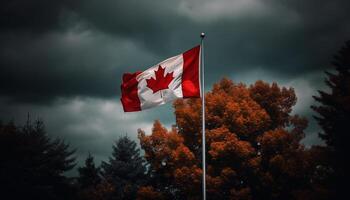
(202, 35)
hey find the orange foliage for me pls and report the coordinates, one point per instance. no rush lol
(188, 179)
(148, 193)
(231, 106)
(103, 190)
(253, 145)
(276, 101)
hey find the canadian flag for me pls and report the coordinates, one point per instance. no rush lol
(175, 77)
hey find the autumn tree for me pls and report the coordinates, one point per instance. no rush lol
(253, 146)
(32, 165)
(334, 117)
(125, 172)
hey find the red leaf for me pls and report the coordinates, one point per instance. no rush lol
(161, 82)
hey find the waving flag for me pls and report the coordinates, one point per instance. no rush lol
(175, 77)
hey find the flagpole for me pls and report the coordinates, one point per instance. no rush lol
(203, 119)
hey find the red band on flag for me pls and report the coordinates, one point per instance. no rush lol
(190, 76)
(130, 98)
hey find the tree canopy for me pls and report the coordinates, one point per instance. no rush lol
(33, 165)
(253, 146)
(125, 170)
(333, 115)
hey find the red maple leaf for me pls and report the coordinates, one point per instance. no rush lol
(161, 82)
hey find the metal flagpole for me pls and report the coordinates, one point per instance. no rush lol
(203, 118)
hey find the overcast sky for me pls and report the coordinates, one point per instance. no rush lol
(62, 60)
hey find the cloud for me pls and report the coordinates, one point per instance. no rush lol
(35, 16)
(66, 64)
(81, 48)
(205, 11)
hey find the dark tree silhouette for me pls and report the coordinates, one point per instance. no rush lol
(125, 170)
(334, 117)
(32, 164)
(89, 180)
(89, 174)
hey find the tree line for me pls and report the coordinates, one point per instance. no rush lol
(254, 150)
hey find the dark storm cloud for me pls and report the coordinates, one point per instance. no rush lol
(34, 16)
(282, 35)
(63, 64)
(288, 38)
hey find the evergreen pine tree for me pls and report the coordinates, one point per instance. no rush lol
(334, 116)
(125, 170)
(89, 174)
(32, 164)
